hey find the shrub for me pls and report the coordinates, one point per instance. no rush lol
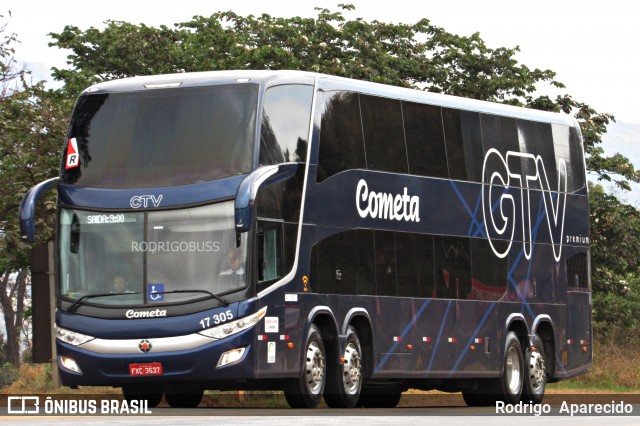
(8, 375)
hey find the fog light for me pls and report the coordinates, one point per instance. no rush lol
(70, 364)
(231, 356)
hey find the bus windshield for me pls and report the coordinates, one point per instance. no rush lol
(162, 137)
(165, 257)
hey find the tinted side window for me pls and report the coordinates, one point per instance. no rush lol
(489, 279)
(345, 264)
(285, 124)
(464, 144)
(500, 133)
(576, 155)
(568, 148)
(341, 142)
(386, 265)
(425, 140)
(536, 139)
(577, 271)
(415, 264)
(383, 134)
(453, 267)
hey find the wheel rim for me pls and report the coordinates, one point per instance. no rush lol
(537, 371)
(315, 368)
(351, 374)
(513, 370)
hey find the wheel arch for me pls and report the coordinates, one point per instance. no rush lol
(544, 329)
(518, 324)
(325, 320)
(360, 319)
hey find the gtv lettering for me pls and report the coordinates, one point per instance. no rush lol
(386, 206)
(520, 172)
(143, 201)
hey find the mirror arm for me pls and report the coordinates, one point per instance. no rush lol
(248, 190)
(27, 212)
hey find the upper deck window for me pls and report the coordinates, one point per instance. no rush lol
(163, 137)
(285, 124)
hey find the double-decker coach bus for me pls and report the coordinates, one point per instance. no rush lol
(324, 236)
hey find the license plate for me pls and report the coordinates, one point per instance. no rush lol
(149, 369)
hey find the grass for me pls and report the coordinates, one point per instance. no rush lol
(615, 369)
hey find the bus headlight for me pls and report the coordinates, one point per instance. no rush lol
(72, 337)
(233, 327)
(70, 364)
(230, 357)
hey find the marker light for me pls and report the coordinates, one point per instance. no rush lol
(231, 356)
(70, 364)
(162, 85)
(72, 337)
(234, 327)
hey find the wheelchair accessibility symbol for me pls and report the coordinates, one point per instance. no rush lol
(155, 293)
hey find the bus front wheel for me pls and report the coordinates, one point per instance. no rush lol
(344, 381)
(183, 395)
(150, 392)
(306, 391)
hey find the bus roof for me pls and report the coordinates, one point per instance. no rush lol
(327, 82)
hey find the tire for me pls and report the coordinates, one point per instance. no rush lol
(306, 391)
(344, 378)
(183, 395)
(383, 396)
(535, 378)
(509, 386)
(479, 396)
(150, 392)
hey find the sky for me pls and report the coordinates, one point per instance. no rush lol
(592, 45)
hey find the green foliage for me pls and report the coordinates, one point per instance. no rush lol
(8, 375)
(32, 128)
(615, 241)
(615, 260)
(419, 55)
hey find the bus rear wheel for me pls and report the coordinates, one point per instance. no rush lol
(381, 396)
(344, 381)
(535, 378)
(478, 395)
(306, 391)
(150, 392)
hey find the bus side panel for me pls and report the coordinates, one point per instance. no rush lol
(476, 338)
(393, 336)
(578, 332)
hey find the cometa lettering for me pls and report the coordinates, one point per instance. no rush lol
(386, 206)
(146, 314)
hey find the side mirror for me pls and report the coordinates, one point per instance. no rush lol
(27, 212)
(246, 196)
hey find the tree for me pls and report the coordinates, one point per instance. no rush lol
(419, 55)
(615, 249)
(32, 128)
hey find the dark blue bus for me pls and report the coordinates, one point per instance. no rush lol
(328, 237)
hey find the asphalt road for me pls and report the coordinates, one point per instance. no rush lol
(447, 415)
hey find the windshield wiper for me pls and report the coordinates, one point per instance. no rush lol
(80, 301)
(213, 295)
